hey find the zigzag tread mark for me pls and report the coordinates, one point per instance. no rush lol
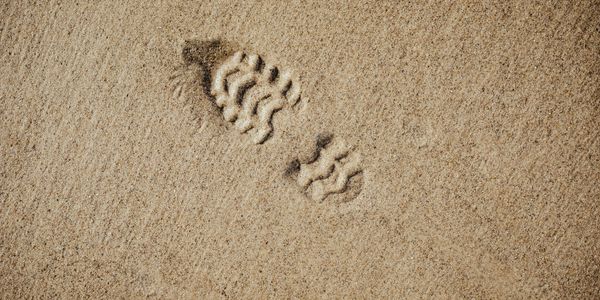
(234, 86)
(332, 170)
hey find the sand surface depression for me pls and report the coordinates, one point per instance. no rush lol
(285, 149)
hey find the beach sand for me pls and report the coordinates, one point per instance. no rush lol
(439, 150)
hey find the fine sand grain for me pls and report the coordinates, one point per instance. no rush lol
(299, 149)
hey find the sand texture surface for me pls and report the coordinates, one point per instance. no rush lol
(299, 149)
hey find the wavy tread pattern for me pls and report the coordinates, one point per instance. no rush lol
(249, 91)
(331, 171)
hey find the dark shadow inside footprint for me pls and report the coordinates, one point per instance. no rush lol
(200, 59)
(321, 140)
(207, 54)
(293, 168)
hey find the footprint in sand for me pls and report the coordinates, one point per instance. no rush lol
(247, 90)
(330, 170)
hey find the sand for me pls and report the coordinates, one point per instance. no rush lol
(439, 150)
